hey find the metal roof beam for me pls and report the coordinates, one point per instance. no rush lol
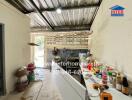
(68, 30)
(95, 12)
(18, 6)
(65, 28)
(18, 2)
(68, 8)
(72, 26)
(40, 12)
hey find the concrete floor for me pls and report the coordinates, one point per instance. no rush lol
(39, 90)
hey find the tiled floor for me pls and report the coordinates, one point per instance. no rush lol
(39, 90)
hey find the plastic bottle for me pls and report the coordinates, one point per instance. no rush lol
(118, 82)
(104, 77)
(114, 79)
(110, 76)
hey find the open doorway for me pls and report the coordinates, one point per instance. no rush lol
(37, 54)
(2, 61)
(39, 51)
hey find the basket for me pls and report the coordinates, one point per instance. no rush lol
(21, 72)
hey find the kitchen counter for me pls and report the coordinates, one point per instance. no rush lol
(69, 87)
(93, 94)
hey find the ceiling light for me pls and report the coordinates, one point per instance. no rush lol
(58, 10)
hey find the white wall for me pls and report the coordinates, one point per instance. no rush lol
(17, 35)
(112, 36)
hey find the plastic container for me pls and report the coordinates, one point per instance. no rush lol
(21, 86)
(89, 67)
(31, 76)
(105, 96)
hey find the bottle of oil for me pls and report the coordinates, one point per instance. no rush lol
(118, 82)
(125, 86)
(114, 79)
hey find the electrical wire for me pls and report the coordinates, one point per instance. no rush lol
(24, 98)
(39, 90)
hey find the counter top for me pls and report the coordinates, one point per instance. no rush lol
(69, 87)
(93, 94)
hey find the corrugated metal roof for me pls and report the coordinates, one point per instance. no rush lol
(75, 13)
